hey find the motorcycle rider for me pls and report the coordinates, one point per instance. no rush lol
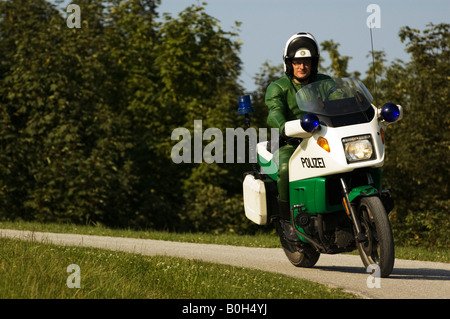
(301, 58)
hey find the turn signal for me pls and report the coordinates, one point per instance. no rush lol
(323, 143)
(345, 206)
(382, 135)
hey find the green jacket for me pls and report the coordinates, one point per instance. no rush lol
(280, 99)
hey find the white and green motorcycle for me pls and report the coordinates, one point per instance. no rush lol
(337, 203)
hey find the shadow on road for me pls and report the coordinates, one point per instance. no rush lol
(344, 269)
(420, 274)
(397, 273)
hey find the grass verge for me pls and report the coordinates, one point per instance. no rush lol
(31, 270)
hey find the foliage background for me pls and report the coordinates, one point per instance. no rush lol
(86, 117)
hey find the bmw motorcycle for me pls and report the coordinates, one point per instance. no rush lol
(337, 203)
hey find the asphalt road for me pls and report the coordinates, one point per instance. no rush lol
(409, 279)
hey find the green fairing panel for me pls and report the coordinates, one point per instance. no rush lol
(312, 193)
(366, 190)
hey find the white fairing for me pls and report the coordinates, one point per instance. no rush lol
(294, 129)
(310, 160)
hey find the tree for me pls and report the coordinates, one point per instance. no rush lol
(65, 144)
(339, 64)
(417, 166)
(199, 65)
(375, 75)
(87, 114)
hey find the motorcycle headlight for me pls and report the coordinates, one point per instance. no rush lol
(358, 148)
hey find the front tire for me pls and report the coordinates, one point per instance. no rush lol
(378, 248)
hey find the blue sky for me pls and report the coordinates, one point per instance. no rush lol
(267, 24)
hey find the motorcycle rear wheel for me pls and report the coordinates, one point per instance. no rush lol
(305, 257)
(378, 248)
(300, 255)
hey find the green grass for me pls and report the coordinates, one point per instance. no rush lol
(258, 240)
(31, 270)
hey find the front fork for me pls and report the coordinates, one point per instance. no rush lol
(351, 211)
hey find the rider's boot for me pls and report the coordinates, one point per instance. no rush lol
(285, 221)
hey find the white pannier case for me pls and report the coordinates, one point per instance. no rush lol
(255, 204)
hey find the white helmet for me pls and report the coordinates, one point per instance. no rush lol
(301, 45)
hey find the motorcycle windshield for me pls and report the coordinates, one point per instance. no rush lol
(334, 97)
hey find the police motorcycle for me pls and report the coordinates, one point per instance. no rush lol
(337, 203)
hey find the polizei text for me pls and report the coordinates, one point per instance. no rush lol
(313, 162)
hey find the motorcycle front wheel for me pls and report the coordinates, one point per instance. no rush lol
(378, 248)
